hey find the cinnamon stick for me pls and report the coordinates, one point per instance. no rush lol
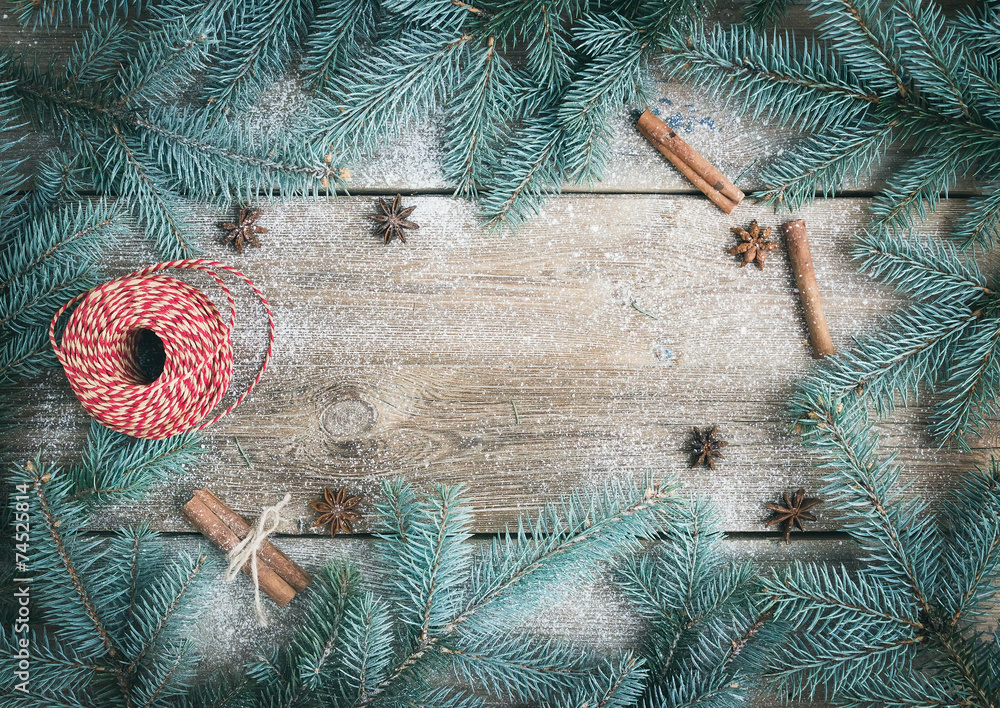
(699, 171)
(805, 279)
(285, 567)
(212, 527)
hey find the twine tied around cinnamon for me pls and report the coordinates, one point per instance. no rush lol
(246, 550)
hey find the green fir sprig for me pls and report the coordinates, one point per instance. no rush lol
(904, 629)
(105, 612)
(710, 630)
(120, 113)
(945, 341)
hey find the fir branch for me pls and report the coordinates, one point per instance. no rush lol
(39, 294)
(889, 75)
(145, 188)
(432, 559)
(890, 365)
(217, 158)
(969, 392)
(510, 19)
(76, 233)
(615, 685)
(337, 38)
(124, 549)
(799, 85)
(826, 160)
(161, 681)
(50, 14)
(168, 59)
(311, 663)
(528, 170)
(107, 603)
(549, 51)
(26, 354)
(66, 594)
(823, 599)
(657, 19)
(406, 79)
(932, 55)
(581, 64)
(895, 535)
(155, 606)
(519, 668)
(927, 268)
(476, 117)
(367, 639)
(841, 663)
(612, 78)
(866, 39)
(972, 560)
(55, 665)
(94, 56)
(980, 29)
(917, 188)
(759, 14)
(581, 532)
(980, 687)
(980, 224)
(446, 16)
(903, 688)
(947, 340)
(113, 109)
(223, 17)
(894, 633)
(257, 52)
(116, 468)
(614, 74)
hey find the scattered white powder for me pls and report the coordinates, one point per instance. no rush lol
(441, 339)
(432, 344)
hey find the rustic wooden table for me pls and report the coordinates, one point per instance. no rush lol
(525, 365)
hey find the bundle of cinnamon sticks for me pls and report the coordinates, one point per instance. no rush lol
(701, 173)
(280, 577)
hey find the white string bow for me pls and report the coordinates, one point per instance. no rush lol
(246, 550)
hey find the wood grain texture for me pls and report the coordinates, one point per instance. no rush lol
(410, 360)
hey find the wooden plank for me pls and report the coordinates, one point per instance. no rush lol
(596, 615)
(409, 360)
(737, 146)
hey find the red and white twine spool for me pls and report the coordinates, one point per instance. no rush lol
(99, 350)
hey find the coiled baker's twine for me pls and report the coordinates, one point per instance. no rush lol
(99, 350)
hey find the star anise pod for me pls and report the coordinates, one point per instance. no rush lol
(755, 243)
(706, 447)
(244, 230)
(794, 511)
(337, 510)
(392, 221)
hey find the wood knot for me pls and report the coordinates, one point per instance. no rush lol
(348, 418)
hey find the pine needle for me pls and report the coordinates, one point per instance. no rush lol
(246, 457)
(635, 305)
